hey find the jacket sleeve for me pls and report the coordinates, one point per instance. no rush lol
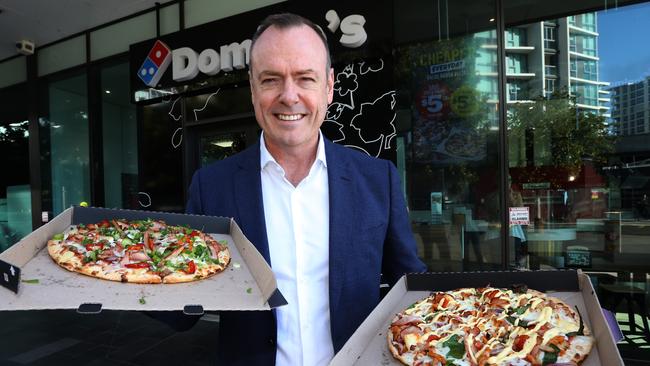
(400, 253)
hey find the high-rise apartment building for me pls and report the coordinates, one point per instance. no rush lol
(631, 107)
(549, 56)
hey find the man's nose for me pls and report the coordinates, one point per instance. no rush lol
(290, 93)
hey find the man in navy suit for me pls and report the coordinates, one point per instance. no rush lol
(329, 220)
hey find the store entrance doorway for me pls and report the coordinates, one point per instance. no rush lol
(211, 141)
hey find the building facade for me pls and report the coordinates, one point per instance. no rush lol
(631, 108)
(427, 98)
(497, 115)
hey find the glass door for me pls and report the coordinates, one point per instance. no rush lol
(64, 135)
(208, 142)
(220, 145)
(446, 75)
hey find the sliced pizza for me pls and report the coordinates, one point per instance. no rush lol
(139, 251)
(489, 326)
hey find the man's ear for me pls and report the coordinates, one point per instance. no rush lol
(330, 86)
(250, 83)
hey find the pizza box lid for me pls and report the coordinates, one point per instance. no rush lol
(39, 283)
(368, 345)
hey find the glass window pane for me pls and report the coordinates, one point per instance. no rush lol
(65, 136)
(579, 157)
(169, 21)
(119, 131)
(118, 37)
(62, 55)
(160, 180)
(203, 11)
(15, 194)
(448, 95)
(13, 71)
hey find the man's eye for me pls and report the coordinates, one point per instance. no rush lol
(269, 81)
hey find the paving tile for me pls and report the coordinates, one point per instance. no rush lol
(107, 362)
(57, 359)
(133, 348)
(22, 340)
(110, 338)
(181, 354)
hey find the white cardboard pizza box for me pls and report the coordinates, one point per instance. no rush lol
(33, 281)
(368, 344)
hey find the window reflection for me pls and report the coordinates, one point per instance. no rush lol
(119, 132)
(15, 196)
(578, 150)
(65, 136)
(451, 149)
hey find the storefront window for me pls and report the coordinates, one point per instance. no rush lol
(120, 135)
(64, 136)
(15, 197)
(587, 196)
(579, 163)
(447, 95)
(160, 179)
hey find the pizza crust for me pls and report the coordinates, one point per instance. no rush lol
(208, 270)
(58, 254)
(141, 276)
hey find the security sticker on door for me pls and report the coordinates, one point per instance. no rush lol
(519, 216)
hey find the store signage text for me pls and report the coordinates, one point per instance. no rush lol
(354, 35)
(188, 63)
(537, 185)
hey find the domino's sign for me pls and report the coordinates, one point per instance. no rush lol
(187, 63)
(218, 53)
(155, 64)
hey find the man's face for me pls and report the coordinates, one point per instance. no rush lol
(290, 87)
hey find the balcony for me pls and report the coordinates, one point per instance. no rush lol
(550, 46)
(550, 71)
(511, 74)
(519, 49)
(582, 29)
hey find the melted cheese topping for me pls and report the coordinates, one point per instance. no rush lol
(486, 327)
(66, 256)
(508, 354)
(411, 340)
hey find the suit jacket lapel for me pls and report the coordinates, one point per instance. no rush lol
(341, 198)
(248, 197)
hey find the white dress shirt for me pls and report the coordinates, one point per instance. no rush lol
(297, 228)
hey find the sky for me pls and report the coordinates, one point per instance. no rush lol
(624, 43)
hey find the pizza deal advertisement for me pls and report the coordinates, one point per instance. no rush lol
(449, 112)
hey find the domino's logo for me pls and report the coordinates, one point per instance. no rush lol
(155, 64)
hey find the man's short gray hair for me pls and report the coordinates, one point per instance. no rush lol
(289, 20)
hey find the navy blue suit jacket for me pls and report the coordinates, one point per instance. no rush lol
(369, 235)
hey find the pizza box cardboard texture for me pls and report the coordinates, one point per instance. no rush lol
(38, 283)
(368, 345)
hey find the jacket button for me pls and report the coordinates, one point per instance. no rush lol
(271, 341)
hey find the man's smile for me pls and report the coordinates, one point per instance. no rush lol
(289, 117)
